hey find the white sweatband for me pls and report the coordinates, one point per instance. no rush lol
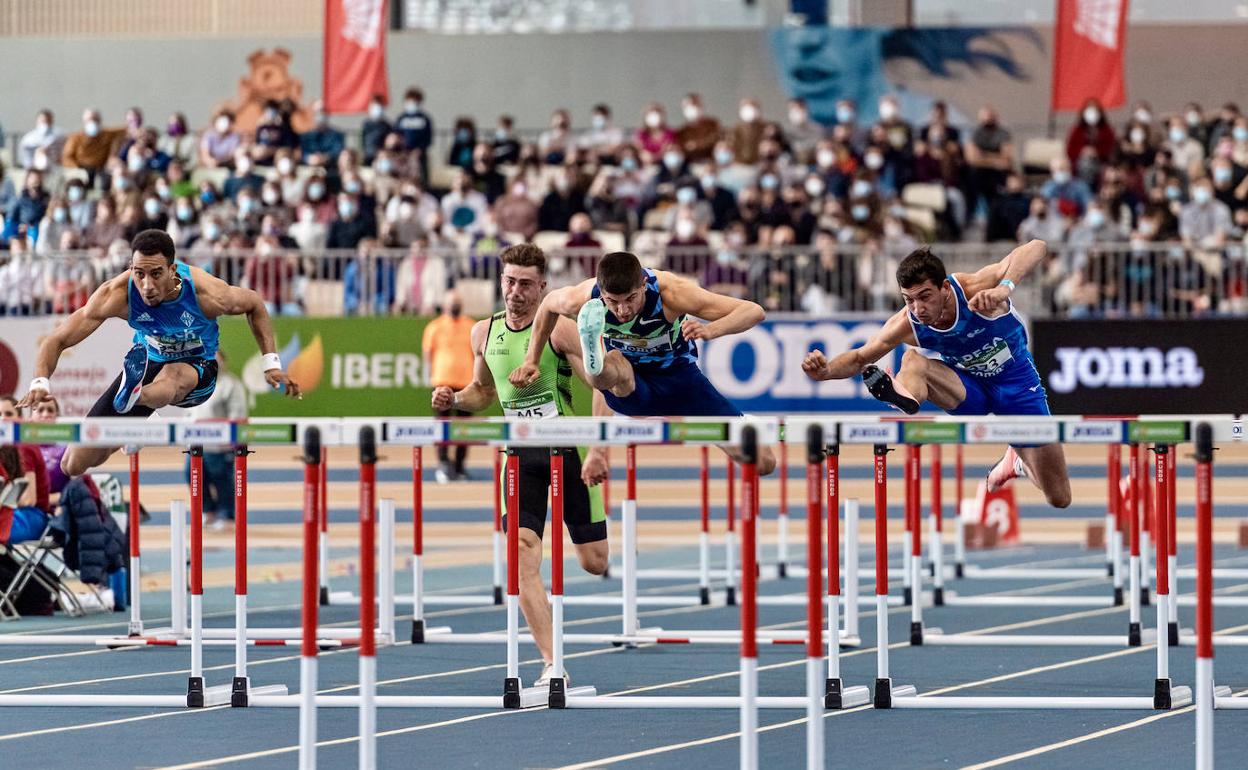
(41, 383)
(454, 400)
(272, 361)
(1007, 283)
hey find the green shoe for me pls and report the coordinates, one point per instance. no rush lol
(590, 323)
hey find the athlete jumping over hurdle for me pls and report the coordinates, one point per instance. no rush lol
(984, 368)
(637, 331)
(499, 345)
(173, 309)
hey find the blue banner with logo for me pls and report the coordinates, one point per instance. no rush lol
(761, 369)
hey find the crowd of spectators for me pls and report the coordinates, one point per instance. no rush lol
(756, 206)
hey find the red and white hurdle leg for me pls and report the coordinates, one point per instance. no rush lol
(368, 601)
(311, 584)
(749, 596)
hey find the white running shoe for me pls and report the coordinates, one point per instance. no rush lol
(548, 672)
(1009, 467)
(590, 322)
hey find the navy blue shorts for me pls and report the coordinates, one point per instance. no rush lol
(680, 390)
(985, 397)
(205, 368)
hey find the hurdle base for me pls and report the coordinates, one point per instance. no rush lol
(195, 692)
(418, 632)
(1144, 598)
(704, 596)
(906, 596)
(324, 596)
(838, 696)
(938, 597)
(730, 596)
(1173, 634)
(1118, 597)
(1164, 695)
(511, 692)
(959, 570)
(559, 692)
(498, 594)
(934, 638)
(239, 691)
(1133, 635)
(885, 691)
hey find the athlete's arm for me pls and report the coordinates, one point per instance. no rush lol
(724, 315)
(567, 302)
(984, 289)
(108, 301)
(218, 298)
(595, 468)
(896, 330)
(481, 392)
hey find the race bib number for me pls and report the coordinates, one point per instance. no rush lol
(538, 407)
(640, 344)
(175, 347)
(988, 361)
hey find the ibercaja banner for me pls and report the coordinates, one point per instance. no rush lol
(1157, 366)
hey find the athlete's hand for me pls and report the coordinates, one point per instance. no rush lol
(278, 379)
(815, 365)
(990, 300)
(32, 398)
(443, 398)
(595, 469)
(693, 329)
(524, 375)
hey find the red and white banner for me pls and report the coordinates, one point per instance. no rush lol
(1088, 44)
(355, 54)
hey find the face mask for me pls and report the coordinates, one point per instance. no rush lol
(246, 206)
(1147, 228)
(686, 196)
(212, 232)
(825, 158)
(797, 117)
(893, 230)
(352, 186)
(845, 114)
(1061, 177)
(223, 125)
(385, 166)
(860, 212)
(1240, 133)
(1144, 116)
(500, 134)
(208, 197)
(653, 119)
(599, 122)
(164, 193)
(307, 215)
(1201, 195)
(75, 193)
(375, 111)
(1193, 118)
(92, 128)
(1138, 135)
(888, 110)
(40, 161)
(1221, 175)
(684, 229)
(725, 257)
(411, 105)
(346, 210)
(692, 112)
(769, 182)
(749, 113)
(723, 157)
(151, 208)
(1177, 135)
(316, 191)
(285, 166)
(562, 184)
(184, 214)
(1092, 116)
(122, 183)
(672, 160)
(270, 197)
(629, 164)
(708, 182)
(58, 215)
(1096, 218)
(874, 161)
(1173, 192)
(814, 187)
(243, 166)
(135, 163)
(860, 188)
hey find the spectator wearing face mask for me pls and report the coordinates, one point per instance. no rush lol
(554, 142)
(219, 143)
(1205, 222)
(654, 138)
(801, 133)
(28, 209)
(416, 126)
(463, 141)
(242, 178)
(1229, 184)
(561, 203)
(989, 156)
(375, 128)
(462, 206)
(689, 205)
(177, 141)
(184, 224)
(323, 141)
(309, 233)
(516, 212)
(90, 148)
(53, 226)
(485, 174)
(847, 130)
(423, 204)
(604, 141)
(1193, 118)
(81, 209)
(273, 133)
(1221, 126)
(721, 200)
(1071, 195)
(1186, 150)
(247, 214)
(1044, 221)
(745, 135)
(898, 133)
(1095, 227)
(45, 136)
(731, 174)
(699, 133)
(503, 141)
(350, 225)
(1091, 130)
(1008, 210)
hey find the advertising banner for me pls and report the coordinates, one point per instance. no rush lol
(85, 371)
(1141, 366)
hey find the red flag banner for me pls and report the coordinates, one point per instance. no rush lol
(1088, 44)
(355, 53)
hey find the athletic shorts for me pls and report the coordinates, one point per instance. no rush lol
(985, 397)
(207, 383)
(680, 390)
(583, 511)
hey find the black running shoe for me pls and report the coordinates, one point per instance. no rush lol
(880, 385)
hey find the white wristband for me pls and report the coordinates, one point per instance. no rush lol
(454, 400)
(272, 361)
(41, 383)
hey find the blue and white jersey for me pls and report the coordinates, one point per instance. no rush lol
(989, 349)
(649, 339)
(174, 330)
